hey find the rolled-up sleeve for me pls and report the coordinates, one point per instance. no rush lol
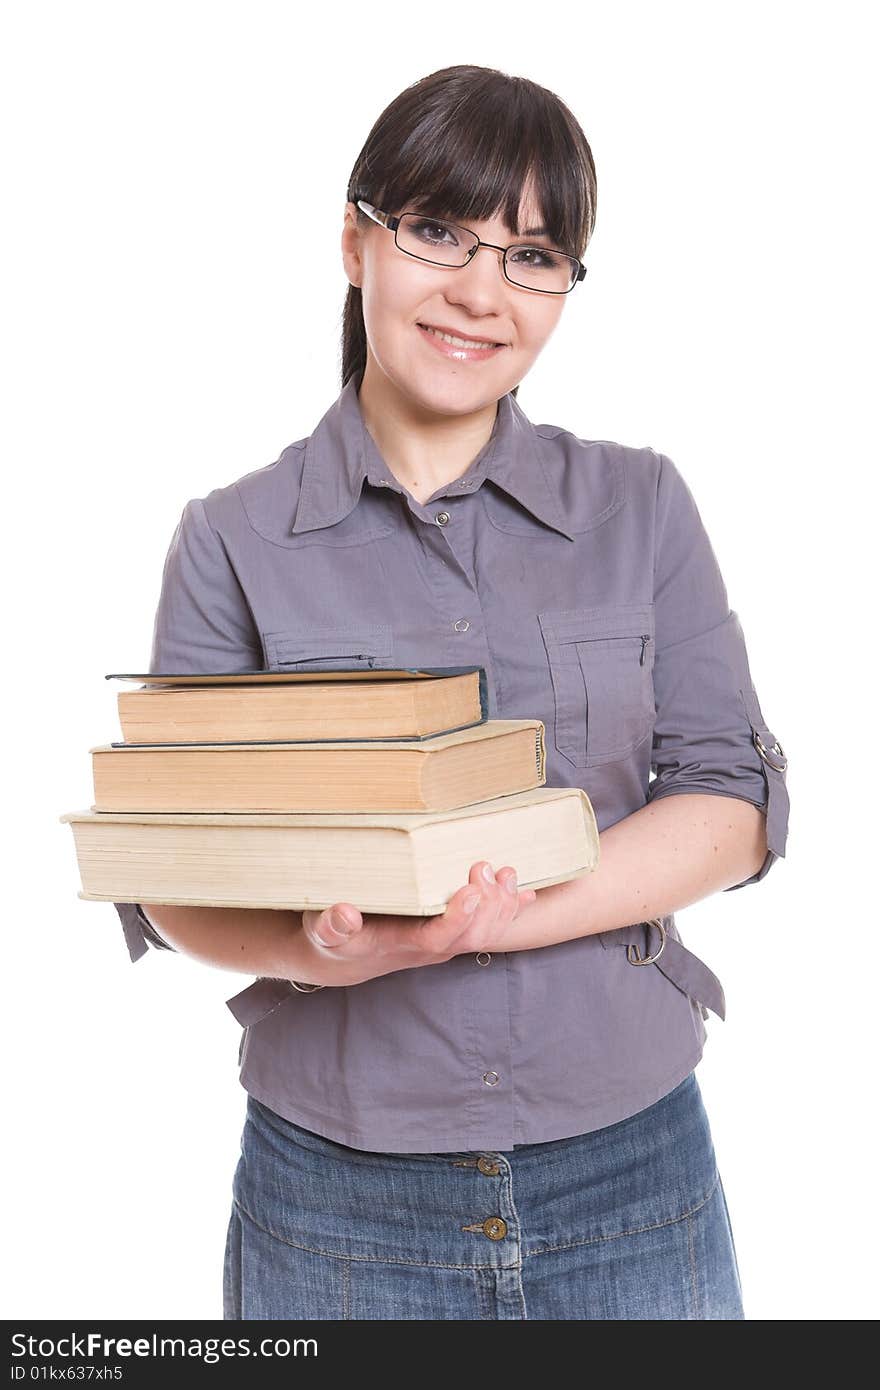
(710, 735)
(203, 623)
(138, 931)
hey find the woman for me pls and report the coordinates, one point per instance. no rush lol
(491, 1113)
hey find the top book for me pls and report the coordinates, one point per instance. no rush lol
(320, 704)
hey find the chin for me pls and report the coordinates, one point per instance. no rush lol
(452, 392)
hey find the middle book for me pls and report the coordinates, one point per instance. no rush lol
(495, 758)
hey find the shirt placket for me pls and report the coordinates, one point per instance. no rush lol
(488, 1089)
(464, 639)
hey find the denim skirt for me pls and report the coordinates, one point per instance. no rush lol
(625, 1222)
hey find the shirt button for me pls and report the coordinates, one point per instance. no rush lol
(461, 625)
(491, 1078)
(495, 1227)
(489, 1167)
(442, 518)
(483, 957)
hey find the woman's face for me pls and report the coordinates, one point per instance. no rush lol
(477, 301)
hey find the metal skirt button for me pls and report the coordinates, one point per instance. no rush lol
(495, 1227)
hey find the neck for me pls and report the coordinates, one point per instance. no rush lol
(423, 449)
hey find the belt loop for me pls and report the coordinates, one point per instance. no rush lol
(258, 1000)
(684, 969)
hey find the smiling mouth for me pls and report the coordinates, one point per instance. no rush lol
(455, 341)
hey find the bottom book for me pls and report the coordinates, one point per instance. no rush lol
(402, 863)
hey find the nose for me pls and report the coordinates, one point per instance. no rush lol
(480, 285)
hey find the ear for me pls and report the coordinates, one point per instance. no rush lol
(352, 258)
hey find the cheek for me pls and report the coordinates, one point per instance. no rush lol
(535, 328)
(548, 318)
(391, 300)
(538, 327)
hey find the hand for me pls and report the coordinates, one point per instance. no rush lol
(376, 944)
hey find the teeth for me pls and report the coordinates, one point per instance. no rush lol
(458, 342)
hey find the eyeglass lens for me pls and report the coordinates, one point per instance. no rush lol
(443, 243)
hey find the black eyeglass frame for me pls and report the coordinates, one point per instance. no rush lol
(383, 219)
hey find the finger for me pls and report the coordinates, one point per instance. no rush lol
(438, 932)
(466, 901)
(522, 897)
(497, 890)
(333, 926)
(507, 894)
(493, 898)
(507, 878)
(482, 874)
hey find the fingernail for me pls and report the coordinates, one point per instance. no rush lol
(488, 874)
(470, 904)
(341, 921)
(511, 884)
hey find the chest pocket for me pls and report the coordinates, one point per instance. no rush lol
(601, 668)
(359, 646)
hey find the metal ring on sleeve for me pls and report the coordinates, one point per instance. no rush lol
(765, 751)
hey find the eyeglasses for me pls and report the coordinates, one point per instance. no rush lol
(443, 243)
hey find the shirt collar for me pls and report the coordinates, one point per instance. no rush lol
(340, 454)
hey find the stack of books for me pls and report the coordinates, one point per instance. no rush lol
(298, 790)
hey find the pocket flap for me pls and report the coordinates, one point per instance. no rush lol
(342, 646)
(587, 624)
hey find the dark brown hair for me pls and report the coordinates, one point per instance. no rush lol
(462, 143)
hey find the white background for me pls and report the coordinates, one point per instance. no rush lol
(175, 177)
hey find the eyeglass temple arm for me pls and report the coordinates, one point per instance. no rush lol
(381, 217)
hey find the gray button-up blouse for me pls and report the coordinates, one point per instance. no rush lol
(578, 573)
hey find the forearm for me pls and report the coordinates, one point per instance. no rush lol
(253, 941)
(666, 855)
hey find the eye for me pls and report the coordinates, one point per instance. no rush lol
(432, 232)
(535, 258)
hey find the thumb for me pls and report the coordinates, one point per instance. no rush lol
(333, 925)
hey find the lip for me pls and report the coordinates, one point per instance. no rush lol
(459, 354)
